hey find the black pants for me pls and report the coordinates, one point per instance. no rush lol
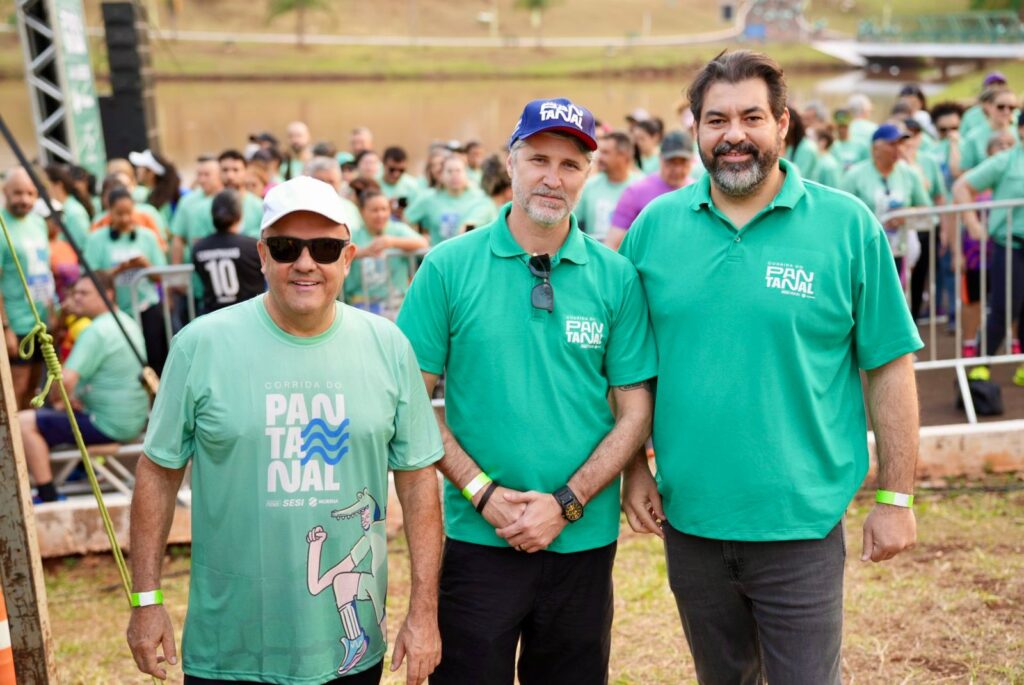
(155, 335)
(556, 607)
(919, 276)
(370, 676)
(997, 293)
(756, 611)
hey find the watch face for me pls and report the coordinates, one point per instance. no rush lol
(573, 511)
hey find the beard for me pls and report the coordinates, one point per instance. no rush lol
(539, 212)
(744, 178)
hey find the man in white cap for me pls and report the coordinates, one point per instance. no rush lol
(292, 407)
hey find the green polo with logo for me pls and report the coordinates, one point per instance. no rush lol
(759, 426)
(526, 389)
(1004, 175)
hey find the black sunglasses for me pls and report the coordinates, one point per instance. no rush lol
(947, 129)
(542, 296)
(1006, 108)
(287, 249)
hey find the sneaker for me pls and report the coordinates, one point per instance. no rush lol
(1018, 376)
(354, 651)
(979, 373)
(37, 500)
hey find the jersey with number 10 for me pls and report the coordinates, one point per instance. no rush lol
(229, 266)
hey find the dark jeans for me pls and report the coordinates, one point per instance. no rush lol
(370, 676)
(556, 607)
(753, 611)
(996, 328)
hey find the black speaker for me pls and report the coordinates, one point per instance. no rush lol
(129, 115)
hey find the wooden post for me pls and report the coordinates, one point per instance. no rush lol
(21, 571)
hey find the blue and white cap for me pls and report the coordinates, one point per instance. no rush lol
(557, 114)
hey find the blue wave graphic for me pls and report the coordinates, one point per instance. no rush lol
(332, 441)
(325, 428)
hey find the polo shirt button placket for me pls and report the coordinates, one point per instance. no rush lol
(734, 249)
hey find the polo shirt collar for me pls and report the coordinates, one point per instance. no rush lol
(788, 196)
(574, 249)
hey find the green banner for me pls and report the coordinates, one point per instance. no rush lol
(85, 129)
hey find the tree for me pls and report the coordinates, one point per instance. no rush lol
(276, 8)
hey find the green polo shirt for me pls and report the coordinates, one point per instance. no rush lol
(1004, 175)
(759, 425)
(527, 390)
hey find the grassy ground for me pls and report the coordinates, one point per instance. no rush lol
(967, 87)
(949, 611)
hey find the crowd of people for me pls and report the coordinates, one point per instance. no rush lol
(747, 190)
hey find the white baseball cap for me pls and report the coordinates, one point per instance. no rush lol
(303, 194)
(146, 160)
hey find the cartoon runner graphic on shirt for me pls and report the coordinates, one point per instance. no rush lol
(353, 577)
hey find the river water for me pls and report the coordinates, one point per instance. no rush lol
(202, 118)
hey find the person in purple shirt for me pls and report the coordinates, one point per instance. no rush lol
(676, 164)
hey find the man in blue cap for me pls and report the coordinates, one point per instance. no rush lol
(534, 322)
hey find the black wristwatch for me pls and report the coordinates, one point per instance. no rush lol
(572, 510)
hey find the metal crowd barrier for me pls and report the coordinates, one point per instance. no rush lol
(920, 220)
(389, 305)
(170, 276)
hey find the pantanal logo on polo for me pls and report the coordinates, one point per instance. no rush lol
(790, 279)
(570, 114)
(585, 331)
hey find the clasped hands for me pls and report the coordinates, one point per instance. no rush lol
(527, 521)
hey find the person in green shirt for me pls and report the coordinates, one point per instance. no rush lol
(101, 376)
(885, 183)
(845, 149)
(535, 325)
(76, 207)
(232, 175)
(125, 249)
(862, 128)
(975, 115)
(159, 178)
(190, 216)
(1000, 116)
(291, 408)
(647, 134)
(767, 297)
(1003, 174)
(377, 282)
(801, 148)
(615, 171)
(31, 239)
(396, 183)
(475, 154)
(827, 169)
(442, 213)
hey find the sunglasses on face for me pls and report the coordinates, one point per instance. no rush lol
(1006, 108)
(948, 129)
(542, 296)
(286, 249)
(395, 169)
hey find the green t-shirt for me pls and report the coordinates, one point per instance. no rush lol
(287, 435)
(198, 223)
(972, 118)
(902, 188)
(76, 220)
(849, 152)
(931, 173)
(140, 193)
(805, 156)
(407, 187)
(378, 280)
(102, 251)
(974, 147)
(443, 214)
(828, 171)
(650, 164)
(861, 131)
(109, 376)
(475, 175)
(759, 428)
(183, 217)
(1004, 175)
(597, 202)
(31, 240)
(526, 390)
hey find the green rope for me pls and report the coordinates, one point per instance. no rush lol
(53, 375)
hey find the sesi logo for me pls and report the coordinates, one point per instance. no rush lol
(791, 279)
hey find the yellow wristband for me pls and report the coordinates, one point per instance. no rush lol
(145, 599)
(896, 499)
(474, 486)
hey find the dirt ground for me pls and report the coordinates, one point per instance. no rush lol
(949, 611)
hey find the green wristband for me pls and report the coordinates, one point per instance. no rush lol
(896, 499)
(145, 599)
(476, 485)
